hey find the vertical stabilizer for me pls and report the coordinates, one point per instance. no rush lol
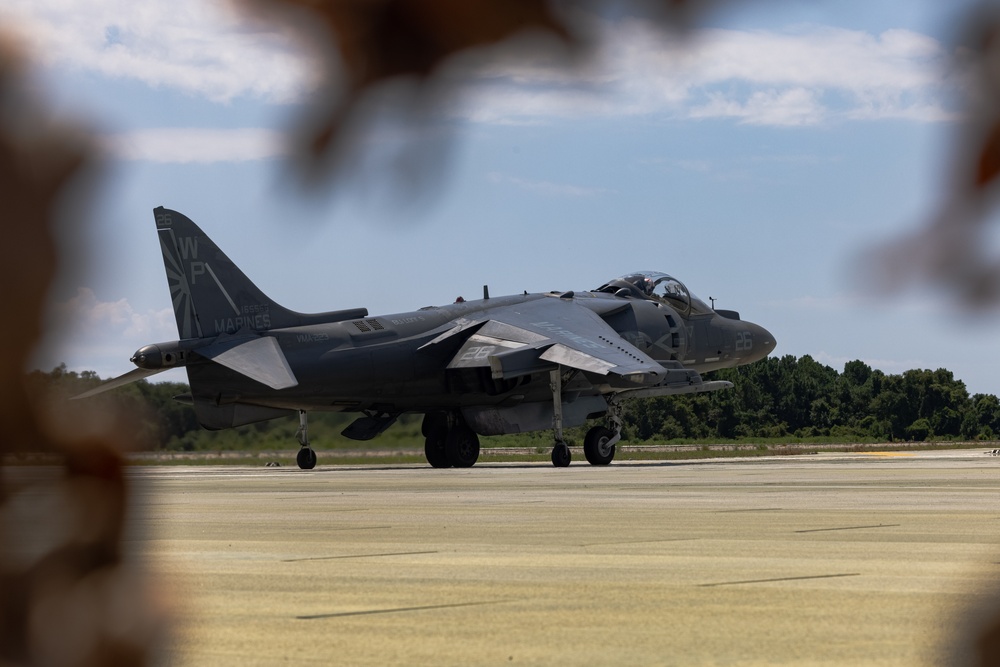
(210, 294)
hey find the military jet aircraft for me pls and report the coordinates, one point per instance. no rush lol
(491, 366)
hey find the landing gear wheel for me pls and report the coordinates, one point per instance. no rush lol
(435, 430)
(435, 451)
(306, 458)
(596, 447)
(560, 455)
(462, 445)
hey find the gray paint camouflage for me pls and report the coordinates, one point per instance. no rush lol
(496, 365)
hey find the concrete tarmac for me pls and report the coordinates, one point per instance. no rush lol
(831, 559)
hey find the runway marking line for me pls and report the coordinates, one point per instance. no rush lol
(368, 612)
(399, 553)
(752, 509)
(768, 581)
(666, 539)
(823, 530)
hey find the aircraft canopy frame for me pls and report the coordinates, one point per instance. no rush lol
(660, 287)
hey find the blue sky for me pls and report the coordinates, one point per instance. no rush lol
(756, 162)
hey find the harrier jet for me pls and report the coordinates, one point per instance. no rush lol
(496, 365)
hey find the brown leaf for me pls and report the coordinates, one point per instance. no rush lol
(988, 163)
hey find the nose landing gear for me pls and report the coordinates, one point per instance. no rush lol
(598, 444)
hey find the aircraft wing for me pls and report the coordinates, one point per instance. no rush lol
(538, 335)
(120, 381)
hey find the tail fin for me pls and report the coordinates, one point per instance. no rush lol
(211, 295)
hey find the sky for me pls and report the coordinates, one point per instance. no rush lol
(759, 161)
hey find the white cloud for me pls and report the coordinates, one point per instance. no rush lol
(200, 145)
(796, 77)
(801, 77)
(817, 57)
(93, 335)
(86, 315)
(797, 106)
(198, 47)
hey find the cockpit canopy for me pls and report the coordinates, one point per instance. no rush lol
(659, 287)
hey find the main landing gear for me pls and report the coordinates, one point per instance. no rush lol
(306, 458)
(598, 444)
(448, 441)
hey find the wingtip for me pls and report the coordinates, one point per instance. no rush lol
(120, 381)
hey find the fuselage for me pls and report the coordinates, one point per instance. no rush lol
(376, 362)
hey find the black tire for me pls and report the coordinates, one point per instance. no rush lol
(462, 445)
(561, 455)
(306, 458)
(435, 451)
(435, 429)
(596, 448)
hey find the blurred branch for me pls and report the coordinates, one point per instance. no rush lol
(73, 601)
(951, 250)
(363, 44)
(366, 43)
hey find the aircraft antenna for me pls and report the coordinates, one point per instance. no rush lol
(712, 299)
(486, 291)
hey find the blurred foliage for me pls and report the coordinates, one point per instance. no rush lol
(65, 583)
(776, 399)
(79, 581)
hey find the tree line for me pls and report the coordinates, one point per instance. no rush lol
(775, 398)
(783, 397)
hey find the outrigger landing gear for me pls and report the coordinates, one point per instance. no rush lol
(598, 444)
(560, 450)
(561, 455)
(306, 458)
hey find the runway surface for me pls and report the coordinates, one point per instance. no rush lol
(833, 559)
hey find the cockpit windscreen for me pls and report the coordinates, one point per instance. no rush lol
(659, 287)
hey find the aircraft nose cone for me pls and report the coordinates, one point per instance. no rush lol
(763, 341)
